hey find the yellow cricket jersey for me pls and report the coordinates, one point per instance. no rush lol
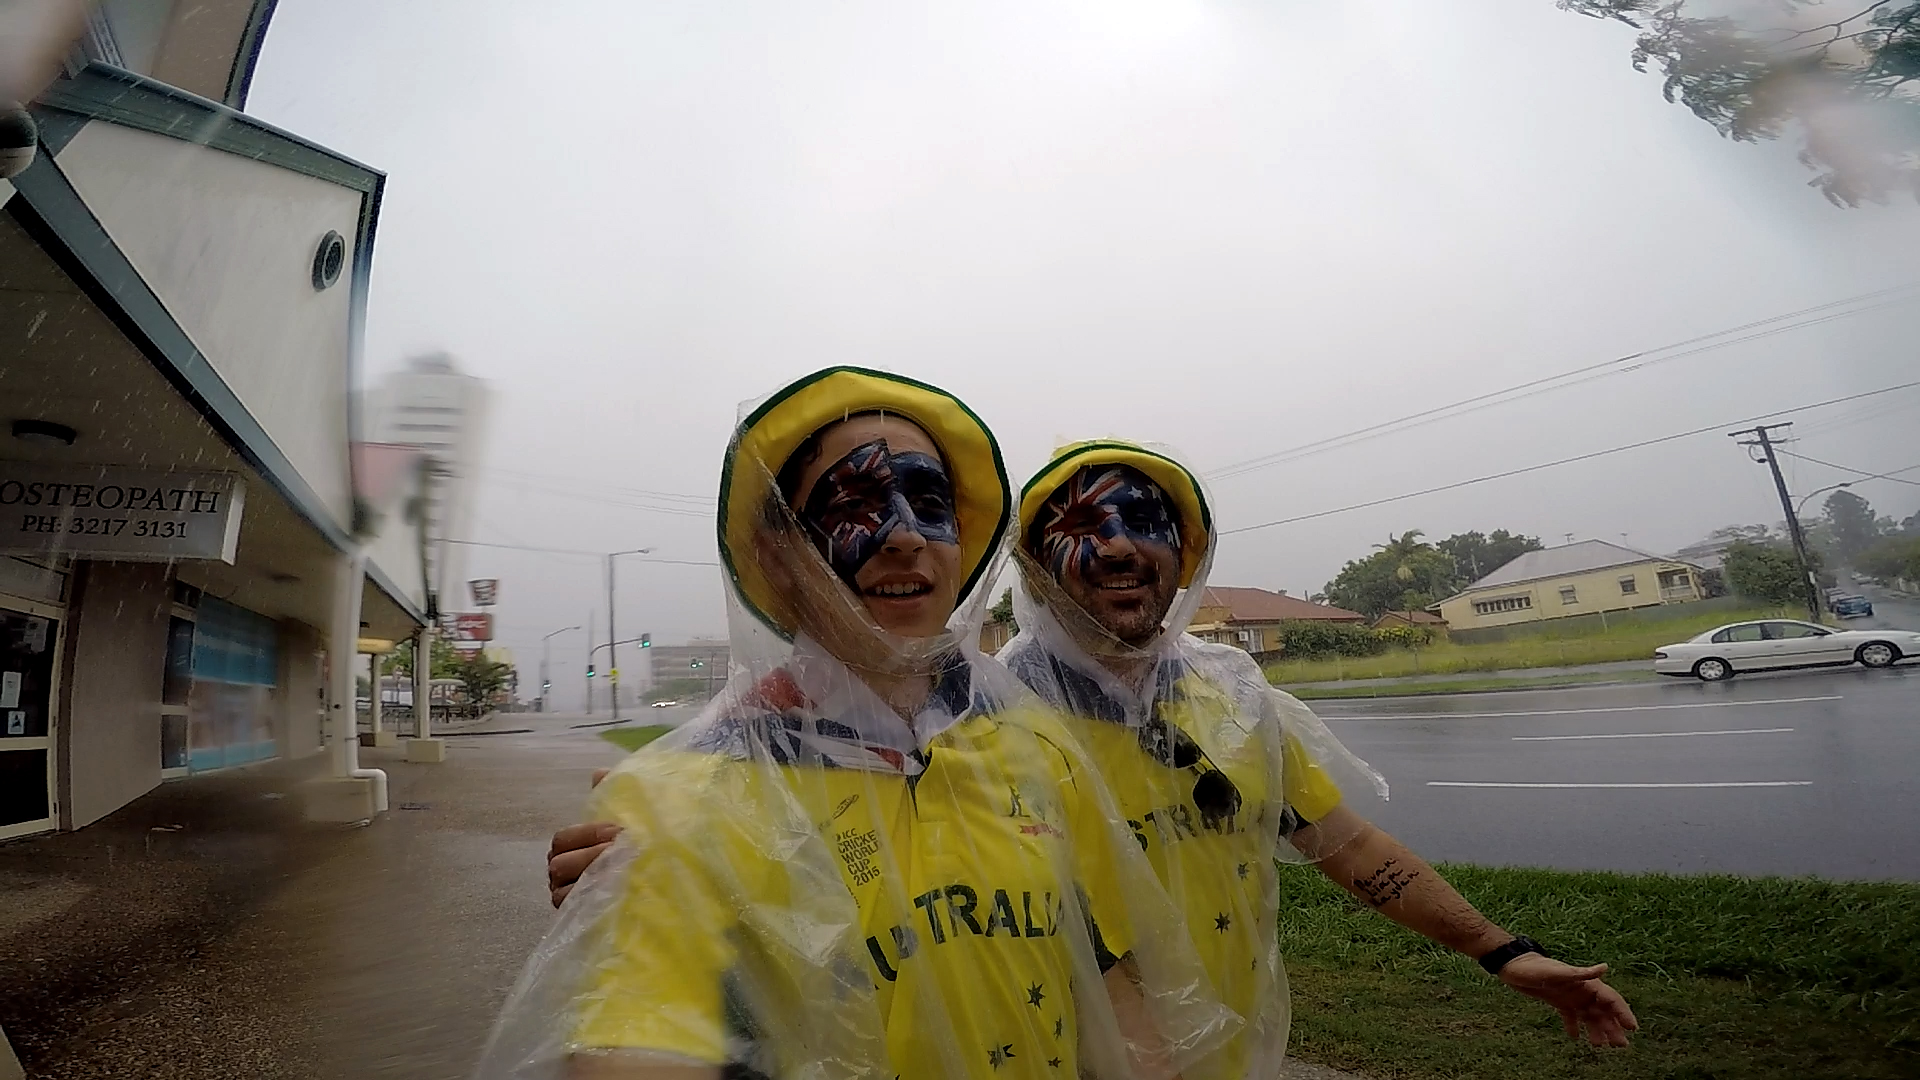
(962, 880)
(1218, 871)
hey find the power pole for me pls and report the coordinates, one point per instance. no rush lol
(1762, 439)
(613, 660)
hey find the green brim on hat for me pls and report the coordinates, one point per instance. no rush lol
(1189, 501)
(770, 434)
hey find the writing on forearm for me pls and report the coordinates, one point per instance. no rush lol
(1386, 884)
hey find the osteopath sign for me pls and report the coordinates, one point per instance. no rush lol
(116, 512)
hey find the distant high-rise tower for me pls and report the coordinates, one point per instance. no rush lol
(435, 407)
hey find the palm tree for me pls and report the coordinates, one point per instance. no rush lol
(1402, 550)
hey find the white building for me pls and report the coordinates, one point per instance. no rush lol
(433, 406)
(193, 558)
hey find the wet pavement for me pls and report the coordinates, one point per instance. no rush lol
(1790, 773)
(206, 932)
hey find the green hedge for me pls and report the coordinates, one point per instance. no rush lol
(1311, 640)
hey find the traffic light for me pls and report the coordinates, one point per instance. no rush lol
(646, 641)
(589, 669)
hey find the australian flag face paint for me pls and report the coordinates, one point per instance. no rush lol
(865, 496)
(1099, 504)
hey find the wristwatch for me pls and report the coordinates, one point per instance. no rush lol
(1520, 946)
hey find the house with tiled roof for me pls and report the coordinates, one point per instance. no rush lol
(1252, 618)
(1425, 620)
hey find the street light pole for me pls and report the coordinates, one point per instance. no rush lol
(1804, 499)
(613, 638)
(546, 653)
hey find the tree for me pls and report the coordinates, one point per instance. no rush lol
(1848, 85)
(445, 659)
(1002, 610)
(1893, 557)
(1757, 534)
(1402, 574)
(1475, 555)
(1766, 572)
(481, 676)
(1852, 522)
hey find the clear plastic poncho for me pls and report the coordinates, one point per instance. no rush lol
(1218, 773)
(811, 885)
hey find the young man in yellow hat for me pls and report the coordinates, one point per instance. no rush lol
(1211, 765)
(874, 855)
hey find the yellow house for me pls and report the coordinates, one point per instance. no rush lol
(1573, 579)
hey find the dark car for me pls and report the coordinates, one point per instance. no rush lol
(1852, 607)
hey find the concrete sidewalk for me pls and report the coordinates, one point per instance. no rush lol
(206, 932)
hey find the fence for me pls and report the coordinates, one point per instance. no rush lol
(400, 717)
(1576, 625)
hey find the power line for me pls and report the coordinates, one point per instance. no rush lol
(1563, 461)
(1847, 418)
(1864, 474)
(1588, 373)
(642, 492)
(574, 551)
(607, 499)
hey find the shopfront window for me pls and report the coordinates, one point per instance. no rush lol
(234, 663)
(176, 692)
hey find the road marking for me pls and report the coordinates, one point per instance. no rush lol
(1653, 734)
(1574, 712)
(1734, 783)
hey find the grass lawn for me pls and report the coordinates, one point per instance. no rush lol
(1731, 978)
(1462, 686)
(633, 738)
(1629, 641)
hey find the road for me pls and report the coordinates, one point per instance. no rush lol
(1789, 773)
(1891, 611)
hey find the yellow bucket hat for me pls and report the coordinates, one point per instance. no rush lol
(770, 434)
(1189, 501)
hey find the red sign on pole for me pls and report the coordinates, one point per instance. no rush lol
(469, 626)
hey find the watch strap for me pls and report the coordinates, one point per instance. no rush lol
(1493, 961)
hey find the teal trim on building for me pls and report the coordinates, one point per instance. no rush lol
(247, 56)
(104, 92)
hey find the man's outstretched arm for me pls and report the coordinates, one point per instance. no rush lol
(1383, 874)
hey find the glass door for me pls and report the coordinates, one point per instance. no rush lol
(29, 642)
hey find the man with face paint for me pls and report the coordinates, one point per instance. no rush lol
(1211, 765)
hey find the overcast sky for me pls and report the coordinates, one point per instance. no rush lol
(1232, 226)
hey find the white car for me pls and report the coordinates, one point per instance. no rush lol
(1772, 644)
